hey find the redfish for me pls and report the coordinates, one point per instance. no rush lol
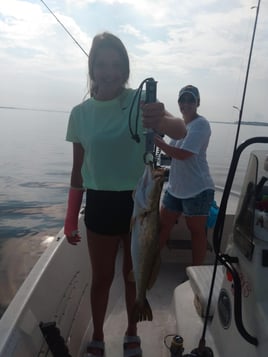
(145, 249)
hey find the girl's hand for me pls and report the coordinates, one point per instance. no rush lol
(73, 239)
(153, 115)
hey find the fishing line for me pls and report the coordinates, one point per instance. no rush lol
(247, 73)
(76, 42)
(243, 51)
(34, 109)
(134, 134)
(221, 216)
(65, 29)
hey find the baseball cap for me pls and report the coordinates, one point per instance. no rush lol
(191, 90)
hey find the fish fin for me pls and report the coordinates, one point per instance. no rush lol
(141, 312)
(155, 271)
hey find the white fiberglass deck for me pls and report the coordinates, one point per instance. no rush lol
(57, 289)
(160, 297)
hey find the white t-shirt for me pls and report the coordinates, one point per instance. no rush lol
(190, 177)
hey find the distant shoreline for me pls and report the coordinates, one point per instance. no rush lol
(255, 123)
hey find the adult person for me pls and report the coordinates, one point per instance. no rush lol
(190, 188)
(107, 163)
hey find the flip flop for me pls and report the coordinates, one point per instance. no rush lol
(95, 344)
(132, 352)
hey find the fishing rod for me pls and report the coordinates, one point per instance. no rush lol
(247, 73)
(202, 349)
(176, 347)
(77, 43)
(150, 97)
(65, 29)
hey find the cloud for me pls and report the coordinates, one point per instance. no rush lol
(202, 41)
(30, 30)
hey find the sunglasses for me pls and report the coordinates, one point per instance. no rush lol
(189, 100)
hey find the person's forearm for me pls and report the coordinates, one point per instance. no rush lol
(172, 127)
(155, 116)
(174, 152)
(76, 179)
(179, 154)
(78, 157)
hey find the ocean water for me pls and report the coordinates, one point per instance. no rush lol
(221, 148)
(35, 164)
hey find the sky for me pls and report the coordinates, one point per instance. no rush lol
(177, 42)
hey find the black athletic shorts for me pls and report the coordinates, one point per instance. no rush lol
(108, 212)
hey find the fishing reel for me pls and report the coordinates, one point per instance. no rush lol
(176, 348)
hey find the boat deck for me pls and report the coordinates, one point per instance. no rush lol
(69, 304)
(152, 333)
(160, 297)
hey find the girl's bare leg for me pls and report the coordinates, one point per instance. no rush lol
(102, 250)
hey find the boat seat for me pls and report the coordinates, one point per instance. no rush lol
(200, 281)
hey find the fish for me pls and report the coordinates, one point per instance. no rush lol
(145, 248)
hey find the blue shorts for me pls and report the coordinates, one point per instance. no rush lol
(198, 205)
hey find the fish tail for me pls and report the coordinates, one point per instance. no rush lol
(141, 312)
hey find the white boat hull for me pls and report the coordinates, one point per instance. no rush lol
(57, 289)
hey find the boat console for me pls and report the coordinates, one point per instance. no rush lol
(228, 312)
